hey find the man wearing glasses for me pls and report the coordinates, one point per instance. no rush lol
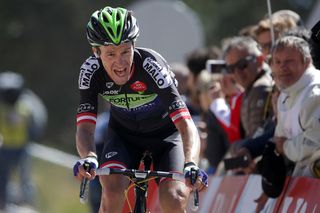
(244, 59)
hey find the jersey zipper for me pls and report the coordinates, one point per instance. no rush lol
(125, 95)
(127, 103)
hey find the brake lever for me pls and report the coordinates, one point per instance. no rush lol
(84, 187)
(193, 179)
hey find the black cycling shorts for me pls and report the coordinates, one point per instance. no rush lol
(125, 150)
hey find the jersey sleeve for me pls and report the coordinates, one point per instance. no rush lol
(87, 109)
(166, 86)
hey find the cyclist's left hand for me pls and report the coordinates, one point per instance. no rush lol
(196, 177)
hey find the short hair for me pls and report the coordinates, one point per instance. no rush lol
(196, 60)
(297, 43)
(242, 43)
(305, 34)
(280, 25)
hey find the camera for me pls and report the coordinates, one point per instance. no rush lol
(236, 162)
(216, 66)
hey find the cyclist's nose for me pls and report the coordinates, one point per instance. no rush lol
(120, 60)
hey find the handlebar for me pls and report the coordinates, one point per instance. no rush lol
(142, 174)
(134, 173)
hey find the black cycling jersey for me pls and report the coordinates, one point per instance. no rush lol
(148, 102)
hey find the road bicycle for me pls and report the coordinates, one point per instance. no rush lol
(140, 180)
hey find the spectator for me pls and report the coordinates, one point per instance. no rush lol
(196, 62)
(22, 118)
(248, 30)
(39, 119)
(245, 60)
(263, 35)
(255, 147)
(216, 142)
(226, 106)
(289, 14)
(297, 132)
(203, 161)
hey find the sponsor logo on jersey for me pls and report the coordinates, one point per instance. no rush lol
(180, 114)
(86, 72)
(111, 92)
(86, 107)
(130, 101)
(139, 87)
(177, 105)
(158, 73)
(110, 154)
(109, 85)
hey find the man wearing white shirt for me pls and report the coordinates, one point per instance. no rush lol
(297, 134)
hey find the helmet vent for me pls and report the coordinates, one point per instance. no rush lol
(118, 17)
(118, 31)
(110, 31)
(105, 19)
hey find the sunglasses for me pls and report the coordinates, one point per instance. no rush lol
(241, 64)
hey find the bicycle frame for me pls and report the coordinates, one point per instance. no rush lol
(141, 188)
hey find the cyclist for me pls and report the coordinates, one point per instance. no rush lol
(147, 113)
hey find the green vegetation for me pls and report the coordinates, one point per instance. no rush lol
(57, 191)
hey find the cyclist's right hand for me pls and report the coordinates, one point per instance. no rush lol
(85, 168)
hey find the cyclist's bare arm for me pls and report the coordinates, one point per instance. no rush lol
(191, 146)
(190, 138)
(84, 139)
(86, 147)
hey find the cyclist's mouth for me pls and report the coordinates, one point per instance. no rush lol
(120, 72)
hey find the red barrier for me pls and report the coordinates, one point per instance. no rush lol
(228, 194)
(237, 194)
(301, 195)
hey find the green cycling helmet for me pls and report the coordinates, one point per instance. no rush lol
(112, 26)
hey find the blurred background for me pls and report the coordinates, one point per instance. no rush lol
(44, 40)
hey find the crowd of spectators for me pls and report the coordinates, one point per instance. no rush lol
(258, 102)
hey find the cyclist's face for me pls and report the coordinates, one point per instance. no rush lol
(117, 61)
